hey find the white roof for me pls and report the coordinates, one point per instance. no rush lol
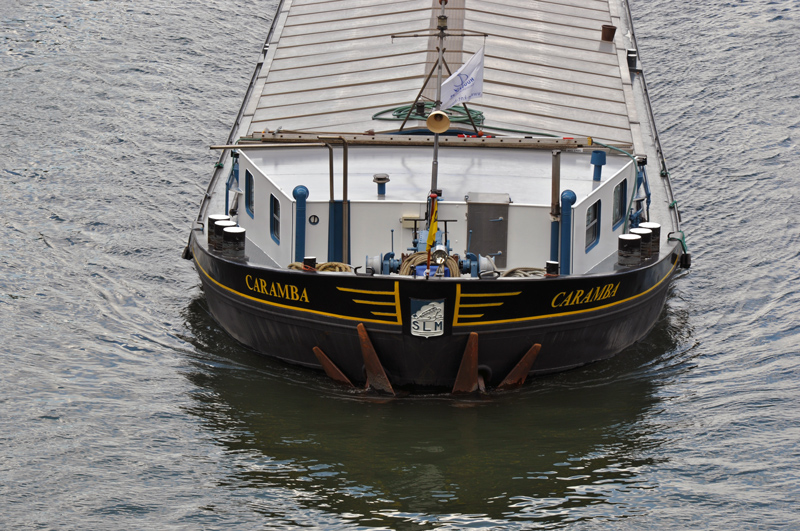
(332, 64)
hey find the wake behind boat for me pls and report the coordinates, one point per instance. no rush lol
(453, 195)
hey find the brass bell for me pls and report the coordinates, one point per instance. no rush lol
(438, 122)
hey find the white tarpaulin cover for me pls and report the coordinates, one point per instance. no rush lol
(331, 66)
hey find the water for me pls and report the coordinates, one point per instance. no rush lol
(122, 405)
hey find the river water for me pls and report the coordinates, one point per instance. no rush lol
(123, 405)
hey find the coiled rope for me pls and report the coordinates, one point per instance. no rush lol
(325, 267)
(410, 264)
(526, 272)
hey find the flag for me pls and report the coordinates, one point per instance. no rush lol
(434, 225)
(466, 83)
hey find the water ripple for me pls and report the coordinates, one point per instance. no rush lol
(124, 405)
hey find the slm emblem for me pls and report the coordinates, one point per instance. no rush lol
(427, 317)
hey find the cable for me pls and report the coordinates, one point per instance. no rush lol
(457, 114)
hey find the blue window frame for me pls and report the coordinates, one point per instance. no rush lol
(620, 206)
(592, 226)
(249, 193)
(275, 218)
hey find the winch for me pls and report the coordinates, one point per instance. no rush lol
(441, 256)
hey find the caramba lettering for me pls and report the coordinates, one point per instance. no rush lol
(276, 289)
(579, 296)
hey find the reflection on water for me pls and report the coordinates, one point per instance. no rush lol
(565, 447)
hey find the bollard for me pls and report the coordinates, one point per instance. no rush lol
(233, 241)
(212, 219)
(629, 251)
(655, 240)
(219, 227)
(647, 236)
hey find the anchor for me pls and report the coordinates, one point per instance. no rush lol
(468, 380)
(376, 376)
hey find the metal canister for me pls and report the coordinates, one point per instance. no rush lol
(629, 252)
(233, 242)
(212, 220)
(219, 227)
(647, 236)
(655, 240)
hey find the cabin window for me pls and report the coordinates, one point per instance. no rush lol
(249, 194)
(275, 218)
(620, 198)
(592, 226)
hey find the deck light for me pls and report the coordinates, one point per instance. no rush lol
(439, 254)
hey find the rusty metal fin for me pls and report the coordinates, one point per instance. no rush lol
(331, 369)
(376, 376)
(518, 374)
(467, 377)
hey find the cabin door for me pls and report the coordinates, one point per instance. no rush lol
(487, 225)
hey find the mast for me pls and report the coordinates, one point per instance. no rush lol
(442, 27)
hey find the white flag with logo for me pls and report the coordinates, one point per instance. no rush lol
(466, 83)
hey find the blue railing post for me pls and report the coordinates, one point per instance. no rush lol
(300, 194)
(599, 160)
(568, 199)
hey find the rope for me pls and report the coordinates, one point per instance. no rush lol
(325, 267)
(420, 258)
(338, 267)
(681, 239)
(526, 272)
